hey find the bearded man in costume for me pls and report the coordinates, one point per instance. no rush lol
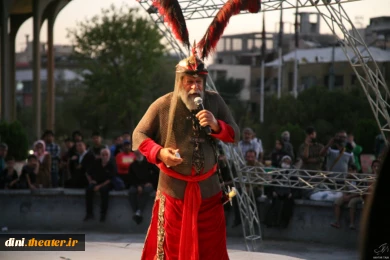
(188, 219)
(179, 136)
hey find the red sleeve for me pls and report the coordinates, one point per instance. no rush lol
(226, 134)
(149, 149)
(118, 160)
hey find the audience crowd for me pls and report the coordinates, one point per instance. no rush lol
(98, 167)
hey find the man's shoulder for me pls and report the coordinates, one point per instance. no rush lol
(165, 99)
(89, 155)
(255, 143)
(257, 163)
(302, 146)
(211, 94)
(26, 169)
(319, 145)
(162, 102)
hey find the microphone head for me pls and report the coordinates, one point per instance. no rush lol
(198, 100)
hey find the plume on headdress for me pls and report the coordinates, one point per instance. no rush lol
(232, 7)
(171, 11)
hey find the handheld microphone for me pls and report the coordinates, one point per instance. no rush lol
(199, 102)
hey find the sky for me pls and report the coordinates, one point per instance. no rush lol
(80, 10)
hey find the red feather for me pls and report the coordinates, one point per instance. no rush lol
(209, 41)
(171, 11)
(253, 6)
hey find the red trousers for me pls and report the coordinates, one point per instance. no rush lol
(163, 237)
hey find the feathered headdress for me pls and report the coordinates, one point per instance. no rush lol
(192, 65)
(171, 11)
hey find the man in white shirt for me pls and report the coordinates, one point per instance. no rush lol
(247, 143)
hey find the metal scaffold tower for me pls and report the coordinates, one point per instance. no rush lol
(362, 62)
(364, 66)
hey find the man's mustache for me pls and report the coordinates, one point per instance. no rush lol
(194, 93)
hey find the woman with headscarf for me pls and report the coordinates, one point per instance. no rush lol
(44, 173)
(277, 153)
(282, 199)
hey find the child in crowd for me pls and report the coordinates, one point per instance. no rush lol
(9, 176)
(29, 173)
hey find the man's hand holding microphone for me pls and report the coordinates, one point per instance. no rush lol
(206, 118)
(170, 156)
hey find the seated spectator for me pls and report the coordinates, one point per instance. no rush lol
(79, 165)
(123, 161)
(380, 145)
(247, 143)
(126, 136)
(28, 176)
(278, 153)
(142, 175)
(375, 167)
(3, 155)
(250, 158)
(72, 150)
(99, 178)
(353, 199)
(9, 176)
(97, 145)
(117, 142)
(44, 158)
(282, 203)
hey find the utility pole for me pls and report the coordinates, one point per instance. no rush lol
(263, 50)
(331, 69)
(280, 52)
(295, 89)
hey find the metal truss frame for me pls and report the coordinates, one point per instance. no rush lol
(201, 9)
(363, 64)
(250, 219)
(306, 179)
(245, 178)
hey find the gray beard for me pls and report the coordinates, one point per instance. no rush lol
(188, 98)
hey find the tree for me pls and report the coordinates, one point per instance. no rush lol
(14, 135)
(229, 89)
(120, 52)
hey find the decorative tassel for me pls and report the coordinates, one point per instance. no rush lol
(228, 197)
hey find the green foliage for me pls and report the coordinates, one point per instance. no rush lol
(14, 135)
(121, 52)
(230, 89)
(70, 112)
(365, 131)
